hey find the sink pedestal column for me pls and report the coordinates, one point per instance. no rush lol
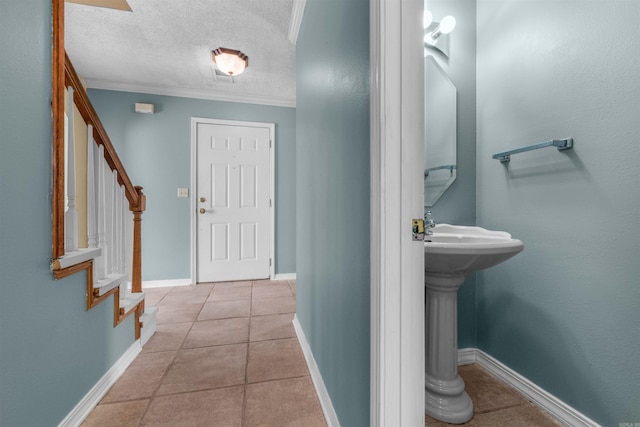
(445, 398)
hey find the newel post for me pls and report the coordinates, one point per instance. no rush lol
(136, 271)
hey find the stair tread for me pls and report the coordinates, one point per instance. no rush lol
(130, 300)
(150, 311)
(111, 281)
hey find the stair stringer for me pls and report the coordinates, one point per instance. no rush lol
(93, 297)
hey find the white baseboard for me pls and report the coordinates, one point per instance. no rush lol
(166, 283)
(97, 392)
(555, 407)
(285, 276)
(323, 395)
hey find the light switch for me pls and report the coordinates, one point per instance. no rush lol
(183, 192)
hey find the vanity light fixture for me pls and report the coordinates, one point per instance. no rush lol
(229, 61)
(427, 19)
(436, 34)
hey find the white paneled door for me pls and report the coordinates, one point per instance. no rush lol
(233, 201)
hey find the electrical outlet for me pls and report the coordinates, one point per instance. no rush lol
(183, 192)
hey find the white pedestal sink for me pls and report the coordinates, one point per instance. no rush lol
(452, 253)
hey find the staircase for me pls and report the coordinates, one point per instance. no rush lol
(101, 225)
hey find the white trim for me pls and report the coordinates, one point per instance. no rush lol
(92, 398)
(323, 395)
(536, 394)
(191, 93)
(467, 356)
(166, 283)
(285, 276)
(78, 256)
(397, 274)
(194, 186)
(297, 11)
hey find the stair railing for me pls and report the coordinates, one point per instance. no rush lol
(112, 202)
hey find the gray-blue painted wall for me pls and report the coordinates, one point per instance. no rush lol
(332, 128)
(156, 151)
(52, 351)
(565, 312)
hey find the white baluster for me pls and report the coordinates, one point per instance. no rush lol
(123, 241)
(92, 219)
(71, 216)
(101, 262)
(128, 242)
(114, 224)
(118, 230)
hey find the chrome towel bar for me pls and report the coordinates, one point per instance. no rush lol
(560, 144)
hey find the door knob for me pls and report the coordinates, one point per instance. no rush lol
(202, 210)
(202, 199)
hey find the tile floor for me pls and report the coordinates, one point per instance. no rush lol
(495, 404)
(224, 354)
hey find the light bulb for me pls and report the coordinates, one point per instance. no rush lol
(428, 18)
(447, 24)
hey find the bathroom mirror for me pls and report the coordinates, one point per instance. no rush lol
(439, 131)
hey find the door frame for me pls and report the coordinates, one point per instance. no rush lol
(397, 262)
(194, 188)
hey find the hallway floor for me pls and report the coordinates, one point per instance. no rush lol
(224, 354)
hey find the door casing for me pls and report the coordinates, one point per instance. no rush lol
(194, 187)
(397, 262)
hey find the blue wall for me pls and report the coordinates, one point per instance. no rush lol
(156, 151)
(52, 351)
(332, 128)
(565, 312)
(458, 204)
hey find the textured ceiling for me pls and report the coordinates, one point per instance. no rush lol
(164, 47)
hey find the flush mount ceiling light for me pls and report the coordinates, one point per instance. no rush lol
(229, 61)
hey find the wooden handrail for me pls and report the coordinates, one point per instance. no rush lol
(100, 134)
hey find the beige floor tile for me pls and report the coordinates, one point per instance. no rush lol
(185, 297)
(206, 368)
(268, 283)
(525, 415)
(218, 332)
(230, 293)
(284, 403)
(271, 291)
(211, 408)
(178, 313)
(228, 285)
(280, 305)
(169, 336)
(152, 296)
(225, 310)
(200, 287)
(124, 414)
(141, 378)
(495, 404)
(276, 359)
(486, 392)
(271, 327)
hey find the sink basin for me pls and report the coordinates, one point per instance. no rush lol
(465, 249)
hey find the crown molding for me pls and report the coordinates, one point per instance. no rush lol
(192, 93)
(297, 11)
